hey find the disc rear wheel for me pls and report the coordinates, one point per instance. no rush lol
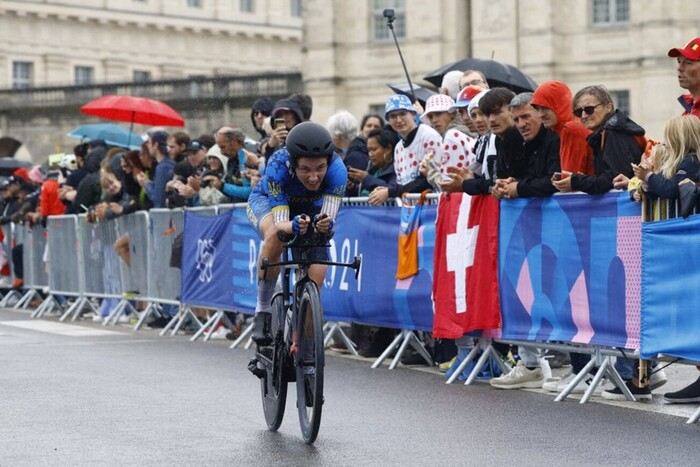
(274, 384)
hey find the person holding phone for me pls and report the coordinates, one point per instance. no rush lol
(285, 115)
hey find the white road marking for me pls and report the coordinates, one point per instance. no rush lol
(59, 328)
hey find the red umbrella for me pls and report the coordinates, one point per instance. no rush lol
(134, 110)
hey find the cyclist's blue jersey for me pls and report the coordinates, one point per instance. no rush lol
(284, 190)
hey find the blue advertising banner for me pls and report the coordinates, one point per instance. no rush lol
(569, 269)
(243, 262)
(670, 293)
(206, 261)
(377, 297)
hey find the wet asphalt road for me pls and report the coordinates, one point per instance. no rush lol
(128, 398)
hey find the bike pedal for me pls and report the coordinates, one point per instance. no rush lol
(253, 368)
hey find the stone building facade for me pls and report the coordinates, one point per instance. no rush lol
(343, 48)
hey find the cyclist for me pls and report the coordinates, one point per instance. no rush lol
(303, 181)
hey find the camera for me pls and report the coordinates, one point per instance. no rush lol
(389, 14)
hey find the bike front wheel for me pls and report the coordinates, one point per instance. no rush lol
(274, 384)
(309, 362)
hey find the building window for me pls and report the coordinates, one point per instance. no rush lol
(194, 3)
(84, 75)
(141, 76)
(380, 29)
(247, 6)
(621, 99)
(22, 75)
(295, 8)
(606, 12)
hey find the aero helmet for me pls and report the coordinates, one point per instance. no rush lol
(309, 139)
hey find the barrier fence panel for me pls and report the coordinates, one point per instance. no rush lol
(163, 279)
(35, 276)
(6, 255)
(134, 276)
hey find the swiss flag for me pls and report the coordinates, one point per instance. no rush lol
(465, 274)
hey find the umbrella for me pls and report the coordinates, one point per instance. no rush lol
(497, 74)
(111, 133)
(422, 94)
(134, 110)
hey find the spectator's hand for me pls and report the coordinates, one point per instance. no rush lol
(214, 181)
(194, 183)
(621, 181)
(642, 170)
(508, 188)
(116, 208)
(277, 137)
(637, 196)
(141, 179)
(457, 176)
(378, 196)
(356, 174)
(101, 210)
(424, 168)
(563, 185)
(185, 191)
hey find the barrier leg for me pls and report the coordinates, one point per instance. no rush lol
(388, 350)
(695, 417)
(245, 334)
(115, 313)
(7, 298)
(77, 305)
(333, 327)
(26, 299)
(145, 314)
(615, 378)
(470, 356)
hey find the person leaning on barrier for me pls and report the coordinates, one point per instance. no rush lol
(416, 143)
(302, 181)
(542, 151)
(380, 171)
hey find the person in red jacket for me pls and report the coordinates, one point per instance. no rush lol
(553, 101)
(50, 203)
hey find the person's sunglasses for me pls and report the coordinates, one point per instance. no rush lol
(589, 109)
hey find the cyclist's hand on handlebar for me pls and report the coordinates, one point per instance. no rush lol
(300, 224)
(324, 224)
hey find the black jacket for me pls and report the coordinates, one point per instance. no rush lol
(543, 160)
(511, 161)
(667, 188)
(616, 145)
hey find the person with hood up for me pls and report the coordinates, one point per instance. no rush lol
(262, 108)
(616, 141)
(290, 112)
(552, 99)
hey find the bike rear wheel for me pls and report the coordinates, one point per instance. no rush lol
(309, 362)
(274, 384)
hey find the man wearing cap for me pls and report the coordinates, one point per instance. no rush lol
(688, 68)
(456, 145)
(194, 166)
(416, 143)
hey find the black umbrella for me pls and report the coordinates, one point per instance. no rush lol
(498, 74)
(422, 94)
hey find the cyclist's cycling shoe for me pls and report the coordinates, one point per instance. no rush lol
(261, 331)
(255, 369)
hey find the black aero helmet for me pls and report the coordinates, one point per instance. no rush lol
(309, 139)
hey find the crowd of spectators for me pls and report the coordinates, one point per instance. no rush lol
(468, 138)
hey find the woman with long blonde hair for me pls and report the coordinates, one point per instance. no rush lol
(677, 162)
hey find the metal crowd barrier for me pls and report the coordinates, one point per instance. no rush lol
(35, 276)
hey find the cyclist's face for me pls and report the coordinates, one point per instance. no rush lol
(310, 171)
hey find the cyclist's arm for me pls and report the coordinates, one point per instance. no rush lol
(332, 198)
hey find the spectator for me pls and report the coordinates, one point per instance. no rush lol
(88, 192)
(370, 122)
(678, 161)
(380, 172)
(216, 163)
(261, 109)
(542, 152)
(288, 112)
(456, 146)
(177, 145)
(231, 142)
(688, 59)
(155, 189)
(349, 143)
(616, 141)
(450, 84)
(305, 103)
(415, 144)
(464, 97)
(473, 78)
(552, 100)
